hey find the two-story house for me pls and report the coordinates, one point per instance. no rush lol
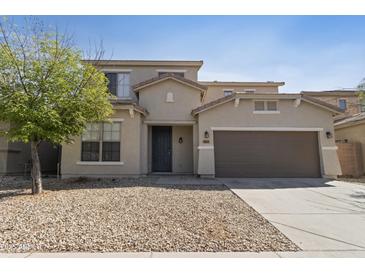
(166, 121)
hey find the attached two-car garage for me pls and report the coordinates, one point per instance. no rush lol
(266, 154)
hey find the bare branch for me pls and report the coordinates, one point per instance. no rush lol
(8, 47)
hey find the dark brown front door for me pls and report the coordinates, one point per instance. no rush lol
(266, 154)
(161, 149)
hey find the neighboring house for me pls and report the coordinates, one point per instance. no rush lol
(349, 126)
(167, 121)
(346, 99)
(352, 130)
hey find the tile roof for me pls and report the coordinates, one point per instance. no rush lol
(350, 120)
(322, 103)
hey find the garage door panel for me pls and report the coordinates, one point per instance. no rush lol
(266, 154)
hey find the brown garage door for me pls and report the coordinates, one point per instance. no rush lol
(266, 154)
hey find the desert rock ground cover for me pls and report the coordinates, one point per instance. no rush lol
(112, 215)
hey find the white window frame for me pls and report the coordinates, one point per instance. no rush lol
(101, 162)
(266, 111)
(121, 71)
(122, 87)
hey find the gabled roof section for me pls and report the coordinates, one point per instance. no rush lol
(358, 118)
(322, 104)
(266, 96)
(169, 76)
(213, 104)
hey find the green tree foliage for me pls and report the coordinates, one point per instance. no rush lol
(47, 93)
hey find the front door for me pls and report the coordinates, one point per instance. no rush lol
(161, 149)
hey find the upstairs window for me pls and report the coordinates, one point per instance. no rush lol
(228, 92)
(179, 74)
(112, 85)
(266, 106)
(342, 104)
(119, 84)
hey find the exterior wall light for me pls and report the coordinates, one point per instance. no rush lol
(181, 140)
(329, 135)
(206, 134)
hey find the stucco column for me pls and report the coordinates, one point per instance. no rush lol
(195, 148)
(144, 148)
(330, 164)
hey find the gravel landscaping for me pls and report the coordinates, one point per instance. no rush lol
(105, 215)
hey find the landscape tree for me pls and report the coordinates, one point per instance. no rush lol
(47, 93)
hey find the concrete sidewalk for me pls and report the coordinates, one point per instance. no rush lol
(301, 254)
(323, 218)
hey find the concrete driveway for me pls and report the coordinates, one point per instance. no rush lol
(317, 214)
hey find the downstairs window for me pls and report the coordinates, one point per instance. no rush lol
(101, 142)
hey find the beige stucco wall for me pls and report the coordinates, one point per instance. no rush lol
(182, 154)
(153, 98)
(355, 133)
(304, 116)
(215, 92)
(130, 152)
(143, 73)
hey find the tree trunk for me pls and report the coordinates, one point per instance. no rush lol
(36, 169)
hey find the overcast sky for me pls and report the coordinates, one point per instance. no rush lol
(307, 52)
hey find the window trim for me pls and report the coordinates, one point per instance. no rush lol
(100, 161)
(266, 111)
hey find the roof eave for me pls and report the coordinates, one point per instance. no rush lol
(137, 88)
(169, 63)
